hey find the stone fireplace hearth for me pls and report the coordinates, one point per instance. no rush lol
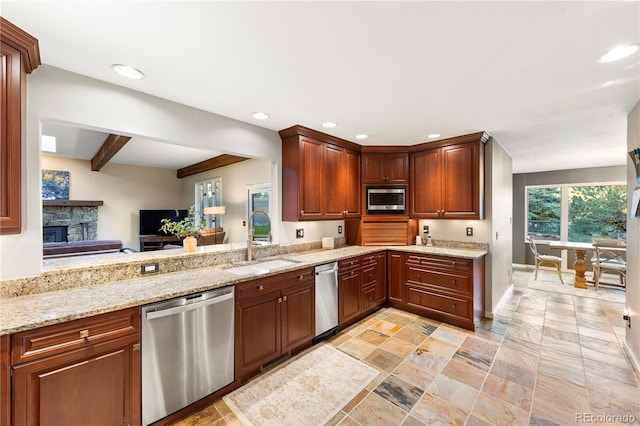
(81, 221)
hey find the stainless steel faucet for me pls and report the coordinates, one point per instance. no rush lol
(250, 232)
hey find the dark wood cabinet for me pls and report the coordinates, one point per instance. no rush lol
(81, 372)
(349, 290)
(320, 176)
(273, 316)
(395, 277)
(447, 180)
(374, 281)
(385, 168)
(157, 242)
(444, 288)
(361, 286)
(20, 56)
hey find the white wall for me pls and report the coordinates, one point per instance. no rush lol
(632, 341)
(124, 189)
(58, 95)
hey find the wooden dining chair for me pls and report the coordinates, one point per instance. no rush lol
(610, 258)
(544, 258)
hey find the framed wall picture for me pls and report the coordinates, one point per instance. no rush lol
(55, 185)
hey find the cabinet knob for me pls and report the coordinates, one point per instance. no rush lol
(453, 305)
(260, 287)
(300, 277)
(279, 299)
(301, 211)
(136, 347)
(453, 282)
(84, 334)
(284, 298)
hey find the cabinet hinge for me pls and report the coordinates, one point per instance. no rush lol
(136, 346)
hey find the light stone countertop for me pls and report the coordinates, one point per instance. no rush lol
(54, 307)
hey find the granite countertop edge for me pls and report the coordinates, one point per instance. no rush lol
(38, 310)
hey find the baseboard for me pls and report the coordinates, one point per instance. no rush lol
(635, 362)
(503, 300)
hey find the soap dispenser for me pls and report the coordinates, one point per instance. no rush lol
(429, 241)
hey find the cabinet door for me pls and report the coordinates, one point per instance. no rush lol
(395, 277)
(99, 384)
(381, 277)
(460, 181)
(351, 184)
(298, 319)
(372, 168)
(397, 168)
(368, 285)
(258, 332)
(348, 296)
(426, 184)
(310, 184)
(333, 187)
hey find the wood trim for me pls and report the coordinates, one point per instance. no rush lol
(110, 147)
(298, 130)
(210, 164)
(26, 43)
(386, 149)
(471, 137)
(71, 203)
(5, 381)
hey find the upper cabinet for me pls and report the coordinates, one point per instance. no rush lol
(320, 176)
(382, 168)
(447, 178)
(20, 56)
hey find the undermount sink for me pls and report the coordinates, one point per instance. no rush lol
(260, 267)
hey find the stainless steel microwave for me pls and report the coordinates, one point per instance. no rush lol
(386, 199)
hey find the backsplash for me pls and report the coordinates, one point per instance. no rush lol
(66, 273)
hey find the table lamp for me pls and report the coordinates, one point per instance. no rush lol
(215, 211)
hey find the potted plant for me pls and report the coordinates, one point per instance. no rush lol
(187, 229)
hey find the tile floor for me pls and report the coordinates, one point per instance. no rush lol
(547, 358)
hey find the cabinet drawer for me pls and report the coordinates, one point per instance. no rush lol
(448, 281)
(369, 275)
(346, 264)
(59, 338)
(446, 263)
(369, 259)
(442, 303)
(273, 283)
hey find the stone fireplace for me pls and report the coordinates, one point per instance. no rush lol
(81, 222)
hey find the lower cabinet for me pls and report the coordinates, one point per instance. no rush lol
(273, 316)
(361, 286)
(81, 372)
(444, 288)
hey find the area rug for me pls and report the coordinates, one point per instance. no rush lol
(307, 390)
(548, 281)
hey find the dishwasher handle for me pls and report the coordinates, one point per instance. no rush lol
(178, 309)
(328, 271)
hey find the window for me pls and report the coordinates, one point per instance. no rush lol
(577, 212)
(259, 199)
(208, 194)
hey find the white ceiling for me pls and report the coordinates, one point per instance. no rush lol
(526, 72)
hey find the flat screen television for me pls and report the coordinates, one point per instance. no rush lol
(151, 220)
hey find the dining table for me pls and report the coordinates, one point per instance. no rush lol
(580, 266)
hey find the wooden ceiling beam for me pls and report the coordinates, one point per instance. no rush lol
(109, 148)
(210, 164)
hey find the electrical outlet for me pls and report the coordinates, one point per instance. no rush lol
(244, 223)
(425, 229)
(339, 229)
(149, 268)
(299, 233)
(469, 231)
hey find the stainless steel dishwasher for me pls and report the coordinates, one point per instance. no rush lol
(187, 351)
(326, 300)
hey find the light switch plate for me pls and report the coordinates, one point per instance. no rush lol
(299, 233)
(339, 229)
(469, 231)
(425, 229)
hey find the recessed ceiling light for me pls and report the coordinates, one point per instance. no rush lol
(329, 124)
(260, 115)
(434, 135)
(619, 52)
(48, 143)
(128, 71)
(362, 136)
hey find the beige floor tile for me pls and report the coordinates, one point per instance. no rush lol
(496, 411)
(508, 391)
(465, 373)
(435, 411)
(398, 319)
(398, 347)
(372, 336)
(412, 421)
(521, 358)
(374, 410)
(558, 400)
(456, 393)
(561, 345)
(568, 318)
(515, 373)
(609, 336)
(451, 335)
(349, 421)
(383, 360)
(480, 361)
(617, 360)
(525, 334)
(618, 374)
(355, 401)
(399, 392)
(357, 348)
(386, 327)
(480, 346)
(604, 392)
(561, 326)
(562, 365)
(340, 339)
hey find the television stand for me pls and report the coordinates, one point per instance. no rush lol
(157, 242)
